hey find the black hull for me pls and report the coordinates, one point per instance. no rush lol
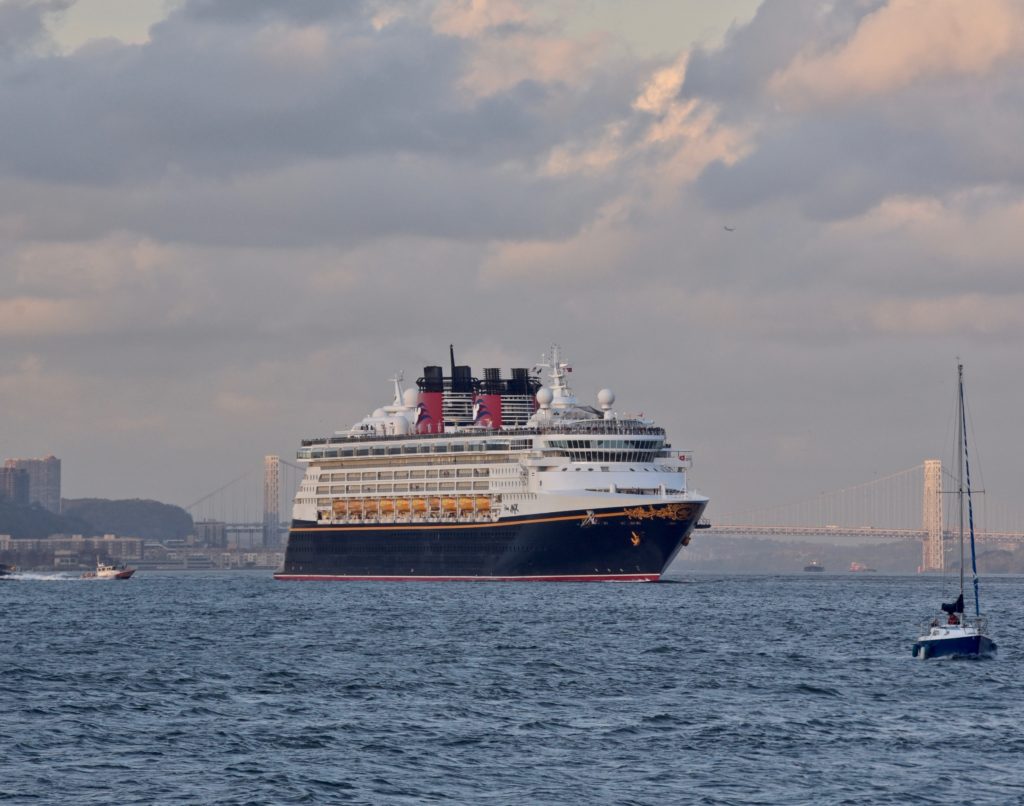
(634, 544)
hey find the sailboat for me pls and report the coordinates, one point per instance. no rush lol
(952, 634)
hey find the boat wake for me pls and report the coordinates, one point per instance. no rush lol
(33, 576)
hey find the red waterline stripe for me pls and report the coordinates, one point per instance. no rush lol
(560, 578)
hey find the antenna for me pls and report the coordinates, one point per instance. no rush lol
(552, 361)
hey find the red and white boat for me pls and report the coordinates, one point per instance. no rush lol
(104, 571)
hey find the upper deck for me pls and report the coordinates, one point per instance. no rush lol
(378, 444)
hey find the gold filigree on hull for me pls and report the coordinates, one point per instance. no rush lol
(669, 512)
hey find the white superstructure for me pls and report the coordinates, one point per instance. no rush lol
(565, 457)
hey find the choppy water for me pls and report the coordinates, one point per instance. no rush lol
(231, 688)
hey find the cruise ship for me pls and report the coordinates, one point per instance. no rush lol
(492, 478)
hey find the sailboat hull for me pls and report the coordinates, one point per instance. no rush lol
(954, 646)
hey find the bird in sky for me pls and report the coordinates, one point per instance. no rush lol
(727, 228)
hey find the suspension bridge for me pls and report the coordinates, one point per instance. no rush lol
(911, 504)
(252, 510)
(914, 504)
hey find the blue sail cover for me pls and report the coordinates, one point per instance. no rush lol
(954, 607)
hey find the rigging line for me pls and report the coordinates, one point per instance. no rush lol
(831, 493)
(220, 489)
(970, 504)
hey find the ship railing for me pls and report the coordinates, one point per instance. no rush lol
(434, 518)
(623, 427)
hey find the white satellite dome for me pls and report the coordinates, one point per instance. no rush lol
(410, 397)
(544, 397)
(606, 398)
(379, 413)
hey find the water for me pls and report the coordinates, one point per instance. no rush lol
(231, 688)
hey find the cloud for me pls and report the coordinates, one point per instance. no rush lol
(207, 99)
(23, 24)
(472, 18)
(232, 233)
(980, 314)
(22, 315)
(857, 109)
(902, 43)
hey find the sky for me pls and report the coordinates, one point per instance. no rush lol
(224, 224)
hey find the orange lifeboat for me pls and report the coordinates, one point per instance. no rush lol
(449, 504)
(466, 503)
(403, 505)
(371, 506)
(483, 504)
(387, 506)
(420, 505)
(339, 508)
(434, 504)
(355, 507)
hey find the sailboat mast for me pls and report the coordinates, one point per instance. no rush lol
(960, 463)
(970, 503)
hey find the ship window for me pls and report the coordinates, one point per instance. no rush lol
(446, 485)
(362, 452)
(379, 451)
(417, 474)
(331, 454)
(440, 449)
(401, 488)
(394, 450)
(369, 476)
(369, 488)
(482, 471)
(480, 485)
(425, 448)
(464, 471)
(458, 448)
(387, 474)
(346, 452)
(432, 474)
(416, 488)
(401, 474)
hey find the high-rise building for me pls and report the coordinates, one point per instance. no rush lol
(43, 480)
(14, 486)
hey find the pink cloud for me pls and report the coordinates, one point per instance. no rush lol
(904, 42)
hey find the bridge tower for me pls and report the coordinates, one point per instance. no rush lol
(933, 557)
(271, 501)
